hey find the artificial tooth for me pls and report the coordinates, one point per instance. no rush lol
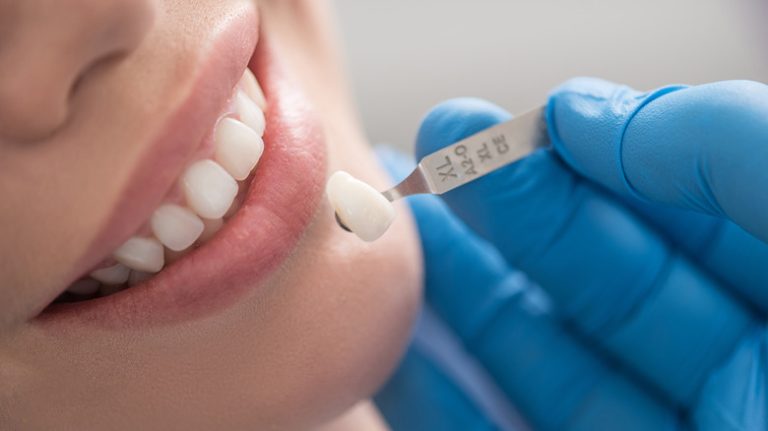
(141, 254)
(238, 148)
(250, 113)
(115, 274)
(138, 277)
(211, 227)
(209, 189)
(252, 88)
(176, 227)
(361, 208)
(84, 287)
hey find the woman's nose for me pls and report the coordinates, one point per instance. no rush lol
(46, 49)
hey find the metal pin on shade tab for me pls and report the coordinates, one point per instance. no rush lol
(367, 213)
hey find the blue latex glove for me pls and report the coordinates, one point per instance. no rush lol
(646, 224)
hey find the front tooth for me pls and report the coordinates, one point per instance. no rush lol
(250, 113)
(209, 189)
(252, 88)
(238, 148)
(176, 227)
(141, 254)
(84, 287)
(116, 274)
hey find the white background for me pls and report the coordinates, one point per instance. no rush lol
(406, 55)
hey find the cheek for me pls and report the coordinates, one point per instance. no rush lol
(350, 310)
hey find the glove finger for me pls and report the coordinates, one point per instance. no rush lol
(591, 113)
(736, 397)
(554, 379)
(702, 148)
(723, 248)
(420, 396)
(609, 273)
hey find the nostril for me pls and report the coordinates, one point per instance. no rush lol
(53, 54)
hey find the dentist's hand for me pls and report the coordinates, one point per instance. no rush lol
(647, 226)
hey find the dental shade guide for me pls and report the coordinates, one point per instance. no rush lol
(444, 170)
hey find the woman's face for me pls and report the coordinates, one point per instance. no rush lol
(280, 319)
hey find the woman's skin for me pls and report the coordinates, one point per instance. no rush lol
(86, 86)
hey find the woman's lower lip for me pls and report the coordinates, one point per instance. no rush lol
(280, 203)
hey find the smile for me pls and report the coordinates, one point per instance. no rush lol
(203, 200)
(245, 194)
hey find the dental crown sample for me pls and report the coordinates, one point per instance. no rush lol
(365, 211)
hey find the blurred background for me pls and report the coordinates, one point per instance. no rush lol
(404, 56)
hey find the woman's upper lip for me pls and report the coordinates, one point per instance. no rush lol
(219, 67)
(280, 202)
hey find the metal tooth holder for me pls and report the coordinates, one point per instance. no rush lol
(473, 157)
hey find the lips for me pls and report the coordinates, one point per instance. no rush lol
(279, 203)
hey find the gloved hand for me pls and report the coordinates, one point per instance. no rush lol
(646, 224)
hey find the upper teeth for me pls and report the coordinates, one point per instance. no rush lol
(141, 254)
(252, 88)
(209, 188)
(238, 147)
(176, 227)
(250, 113)
(116, 274)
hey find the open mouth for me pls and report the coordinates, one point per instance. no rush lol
(206, 196)
(236, 211)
